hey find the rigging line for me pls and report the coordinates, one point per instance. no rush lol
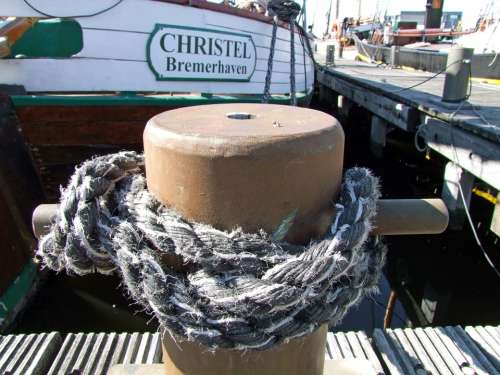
(309, 50)
(77, 16)
(329, 13)
(304, 58)
(314, 15)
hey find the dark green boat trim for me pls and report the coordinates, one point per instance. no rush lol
(132, 99)
(17, 293)
(54, 38)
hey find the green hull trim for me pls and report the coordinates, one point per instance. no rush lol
(55, 38)
(147, 100)
(16, 294)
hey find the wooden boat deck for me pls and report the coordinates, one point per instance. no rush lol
(433, 351)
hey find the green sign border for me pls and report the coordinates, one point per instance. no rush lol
(160, 26)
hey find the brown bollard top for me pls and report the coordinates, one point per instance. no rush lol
(248, 165)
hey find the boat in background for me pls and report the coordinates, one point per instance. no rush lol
(82, 78)
(426, 49)
(87, 82)
(120, 46)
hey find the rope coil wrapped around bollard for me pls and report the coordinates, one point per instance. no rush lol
(233, 290)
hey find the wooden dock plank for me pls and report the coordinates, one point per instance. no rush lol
(419, 351)
(109, 348)
(422, 355)
(429, 349)
(154, 356)
(485, 346)
(344, 345)
(404, 356)
(369, 352)
(356, 348)
(490, 339)
(10, 351)
(30, 354)
(480, 117)
(479, 156)
(353, 346)
(397, 113)
(19, 353)
(388, 354)
(333, 346)
(72, 355)
(100, 341)
(131, 348)
(82, 360)
(43, 355)
(120, 348)
(95, 353)
(439, 350)
(449, 353)
(467, 345)
(494, 332)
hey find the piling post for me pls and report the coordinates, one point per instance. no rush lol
(344, 105)
(394, 56)
(435, 303)
(495, 220)
(378, 135)
(327, 96)
(456, 82)
(455, 178)
(330, 55)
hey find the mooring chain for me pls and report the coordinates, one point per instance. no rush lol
(224, 289)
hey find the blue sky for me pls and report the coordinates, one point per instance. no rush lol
(470, 8)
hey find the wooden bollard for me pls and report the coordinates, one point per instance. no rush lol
(248, 165)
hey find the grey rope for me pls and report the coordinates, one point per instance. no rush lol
(267, 85)
(233, 289)
(285, 11)
(293, 97)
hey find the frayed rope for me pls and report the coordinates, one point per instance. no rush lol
(236, 290)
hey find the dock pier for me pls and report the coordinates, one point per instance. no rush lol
(465, 133)
(434, 351)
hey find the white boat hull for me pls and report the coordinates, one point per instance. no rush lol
(114, 54)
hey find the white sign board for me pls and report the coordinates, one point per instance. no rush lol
(181, 53)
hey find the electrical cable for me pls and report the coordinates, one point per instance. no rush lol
(462, 195)
(427, 79)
